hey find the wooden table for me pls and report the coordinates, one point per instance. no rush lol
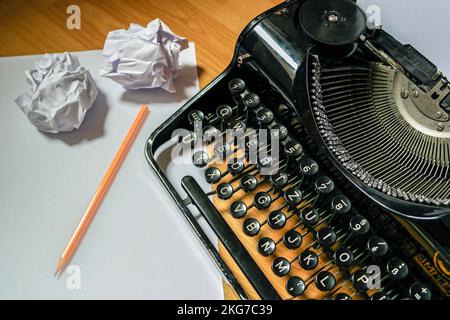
(36, 27)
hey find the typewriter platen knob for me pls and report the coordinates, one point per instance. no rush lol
(334, 26)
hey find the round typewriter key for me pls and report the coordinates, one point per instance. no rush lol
(309, 167)
(359, 225)
(237, 86)
(325, 281)
(251, 100)
(279, 179)
(238, 127)
(281, 266)
(293, 196)
(224, 191)
(213, 175)
(342, 296)
(377, 246)
(262, 200)
(310, 217)
(308, 260)
(251, 227)
(210, 133)
(224, 111)
(380, 295)
(200, 159)
(251, 144)
(397, 269)
(343, 257)
(238, 209)
(279, 132)
(295, 286)
(293, 149)
(418, 291)
(326, 236)
(265, 162)
(324, 185)
(276, 220)
(292, 239)
(222, 150)
(235, 166)
(341, 204)
(187, 140)
(264, 116)
(266, 246)
(360, 280)
(248, 183)
(195, 116)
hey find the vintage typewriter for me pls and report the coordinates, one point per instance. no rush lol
(319, 160)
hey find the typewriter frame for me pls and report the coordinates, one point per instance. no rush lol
(300, 97)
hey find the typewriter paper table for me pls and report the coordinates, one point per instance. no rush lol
(139, 246)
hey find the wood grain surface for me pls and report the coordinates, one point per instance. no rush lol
(36, 27)
(293, 223)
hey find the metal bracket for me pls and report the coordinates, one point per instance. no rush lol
(429, 103)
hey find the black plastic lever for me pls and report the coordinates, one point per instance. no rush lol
(229, 239)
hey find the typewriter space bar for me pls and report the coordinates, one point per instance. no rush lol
(229, 239)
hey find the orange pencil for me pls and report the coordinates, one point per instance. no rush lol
(82, 227)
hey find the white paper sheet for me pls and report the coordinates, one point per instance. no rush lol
(139, 246)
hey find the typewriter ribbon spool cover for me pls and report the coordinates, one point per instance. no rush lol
(319, 160)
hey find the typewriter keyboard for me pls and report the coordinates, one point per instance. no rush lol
(300, 228)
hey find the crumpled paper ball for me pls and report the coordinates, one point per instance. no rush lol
(62, 92)
(141, 57)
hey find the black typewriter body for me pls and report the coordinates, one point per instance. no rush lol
(362, 178)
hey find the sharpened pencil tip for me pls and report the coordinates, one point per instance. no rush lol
(59, 268)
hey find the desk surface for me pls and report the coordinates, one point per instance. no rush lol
(35, 27)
